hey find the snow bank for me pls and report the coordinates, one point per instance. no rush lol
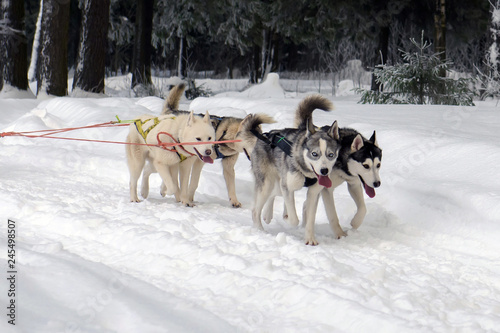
(89, 261)
(9, 91)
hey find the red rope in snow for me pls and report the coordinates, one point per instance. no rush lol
(48, 134)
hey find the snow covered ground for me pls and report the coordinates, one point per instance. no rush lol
(426, 258)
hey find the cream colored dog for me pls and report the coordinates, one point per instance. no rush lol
(184, 128)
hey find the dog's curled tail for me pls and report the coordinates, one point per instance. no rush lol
(307, 106)
(172, 101)
(251, 124)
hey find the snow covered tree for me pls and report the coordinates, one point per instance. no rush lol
(13, 45)
(141, 64)
(52, 71)
(90, 69)
(417, 81)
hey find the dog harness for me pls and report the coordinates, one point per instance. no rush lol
(275, 140)
(139, 123)
(218, 121)
(144, 133)
(216, 147)
(278, 140)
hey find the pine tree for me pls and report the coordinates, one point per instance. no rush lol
(418, 81)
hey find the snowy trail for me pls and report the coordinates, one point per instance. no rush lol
(425, 258)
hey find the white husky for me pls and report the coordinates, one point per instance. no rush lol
(188, 128)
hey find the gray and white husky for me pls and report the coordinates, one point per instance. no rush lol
(358, 165)
(285, 160)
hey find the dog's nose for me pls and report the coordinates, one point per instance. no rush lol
(324, 171)
(376, 184)
(208, 152)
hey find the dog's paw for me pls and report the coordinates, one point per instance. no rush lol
(311, 241)
(188, 203)
(340, 234)
(235, 204)
(135, 200)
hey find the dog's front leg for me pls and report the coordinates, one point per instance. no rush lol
(170, 182)
(331, 212)
(309, 213)
(229, 176)
(356, 192)
(195, 177)
(185, 168)
(174, 172)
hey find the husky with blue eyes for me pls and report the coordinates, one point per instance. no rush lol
(283, 161)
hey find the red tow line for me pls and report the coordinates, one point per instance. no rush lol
(49, 134)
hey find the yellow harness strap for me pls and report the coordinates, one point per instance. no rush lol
(182, 157)
(144, 133)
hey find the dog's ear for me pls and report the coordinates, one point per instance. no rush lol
(333, 131)
(206, 118)
(373, 139)
(310, 127)
(190, 119)
(357, 143)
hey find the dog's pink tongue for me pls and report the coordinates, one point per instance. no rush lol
(370, 191)
(208, 159)
(325, 181)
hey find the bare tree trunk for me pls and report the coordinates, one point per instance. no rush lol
(52, 74)
(380, 57)
(255, 65)
(440, 32)
(141, 65)
(181, 71)
(13, 43)
(90, 69)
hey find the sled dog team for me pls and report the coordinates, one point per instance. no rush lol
(283, 160)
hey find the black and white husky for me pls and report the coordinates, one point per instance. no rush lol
(285, 160)
(358, 165)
